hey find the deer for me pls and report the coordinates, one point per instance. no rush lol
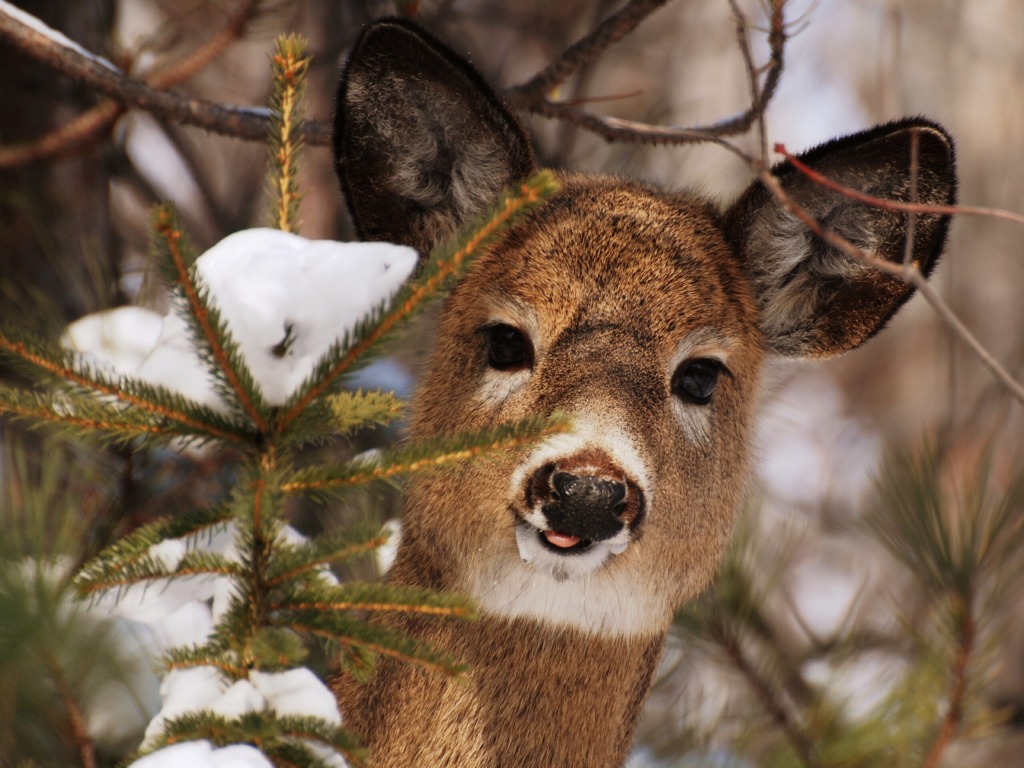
(645, 316)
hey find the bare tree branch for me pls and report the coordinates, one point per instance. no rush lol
(583, 51)
(92, 126)
(48, 47)
(530, 99)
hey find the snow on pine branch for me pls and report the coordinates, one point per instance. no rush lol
(286, 300)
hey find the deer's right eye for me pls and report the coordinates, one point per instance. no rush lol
(508, 348)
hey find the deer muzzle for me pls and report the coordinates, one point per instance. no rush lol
(582, 502)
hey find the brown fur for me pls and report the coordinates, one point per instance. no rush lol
(615, 284)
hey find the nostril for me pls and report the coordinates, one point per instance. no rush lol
(539, 490)
(562, 484)
(620, 507)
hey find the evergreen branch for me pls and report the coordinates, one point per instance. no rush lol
(432, 454)
(958, 687)
(727, 638)
(352, 635)
(449, 262)
(136, 545)
(294, 754)
(948, 544)
(289, 67)
(211, 332)
(105, 575)
(276, 649)
(190, 657)
(41, 360)
(43, 407)
(289, 562)
(318, 731)
(278, 737)
(76, 717)
(353, 410)
(376, 597)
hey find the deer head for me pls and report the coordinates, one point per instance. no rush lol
(646, 316)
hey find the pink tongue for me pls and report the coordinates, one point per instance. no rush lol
(563, 540)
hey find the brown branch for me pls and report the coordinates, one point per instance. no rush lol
(77, 134)
(529, 99)
(580, 53)
(239, 122)
(92, 126)
(251, 123)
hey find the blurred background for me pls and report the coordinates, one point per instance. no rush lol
(838, 616)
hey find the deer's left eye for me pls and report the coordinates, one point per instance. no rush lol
(694, 381)
(508, 348)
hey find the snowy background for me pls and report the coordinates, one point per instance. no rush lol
(76, 235)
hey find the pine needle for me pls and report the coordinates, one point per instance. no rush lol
(433, 454)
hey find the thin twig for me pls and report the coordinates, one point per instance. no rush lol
(583, 51)
(908, 245)
(530, 99)
(895, 205)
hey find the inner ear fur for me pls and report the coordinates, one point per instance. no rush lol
(421, 142)
(814, 300)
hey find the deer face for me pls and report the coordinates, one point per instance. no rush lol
(643, 316)
(618, 307)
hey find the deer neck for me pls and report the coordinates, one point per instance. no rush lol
(534, 695)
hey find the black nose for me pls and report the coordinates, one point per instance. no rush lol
(585, 506)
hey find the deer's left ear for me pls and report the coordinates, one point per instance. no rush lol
(814, 300)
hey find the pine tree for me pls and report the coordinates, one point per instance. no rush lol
(273, 592)
(961, 545)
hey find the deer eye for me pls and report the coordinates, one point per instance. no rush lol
(508, 348)
(694, 381)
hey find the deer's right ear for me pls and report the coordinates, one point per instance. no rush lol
(814, 300)
(421, 142)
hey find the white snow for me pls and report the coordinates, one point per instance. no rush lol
(297, 692)
(202, 754)
(293, 692)
(285, 299)
(119, 338)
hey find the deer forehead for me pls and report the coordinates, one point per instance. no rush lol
(608, 254)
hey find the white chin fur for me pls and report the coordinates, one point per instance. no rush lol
(571, 565)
